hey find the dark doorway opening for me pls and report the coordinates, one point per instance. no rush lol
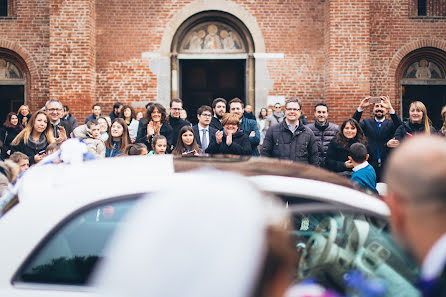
(11, 97)
(434, 97)
(204, 80)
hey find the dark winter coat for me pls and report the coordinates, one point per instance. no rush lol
(337, 155)
(176, 124)
(323, 134)
(216, 124)
(411, 128)
(7, 135)
(141, 137)
(66, 125)
(248, 126)
(71, 120)
(31, 148)
(240, 145)
(91, 117)
(20, 117)
(299, 146)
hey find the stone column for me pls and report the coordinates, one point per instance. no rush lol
(347, 55)
(73, 54)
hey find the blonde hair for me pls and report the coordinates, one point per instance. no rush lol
(23, 106)
(425, 120)
(443, 117)
(28, 130)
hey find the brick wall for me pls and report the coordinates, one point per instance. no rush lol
(86, 51)
(73, 54)
(26, 32)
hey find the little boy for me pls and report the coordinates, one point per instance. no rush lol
(90, 133)
(363, 172)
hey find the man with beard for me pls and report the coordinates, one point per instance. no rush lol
(219, 107)
(323, 131)
(416, 196)
(378, 130)
(249, 127)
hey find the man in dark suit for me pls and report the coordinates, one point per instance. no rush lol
(378, 130)
(176, 106)
(416, 196)
(219, 107)
(204, 134)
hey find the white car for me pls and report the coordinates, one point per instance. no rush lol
(54, 235)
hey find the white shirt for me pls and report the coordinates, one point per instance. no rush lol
(200, 131)
(292, 129)
(435, 260)
(360, 166)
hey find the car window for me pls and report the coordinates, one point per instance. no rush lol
(70, 253)
(333, 245)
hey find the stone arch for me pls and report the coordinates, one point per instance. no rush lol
(428, 60)
(202, 6)
(398, 64)
(24, 60)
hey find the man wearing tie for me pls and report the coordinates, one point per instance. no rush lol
(416, 196)
(378, 130)
(204, 134)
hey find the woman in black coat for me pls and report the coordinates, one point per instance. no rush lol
(231, 140)
(418, 122)
(338, 148)
(155, 122)
(11, 128)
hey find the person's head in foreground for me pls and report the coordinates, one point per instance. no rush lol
(231, 242)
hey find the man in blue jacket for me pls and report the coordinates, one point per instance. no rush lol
(249, 127)
(378, 130)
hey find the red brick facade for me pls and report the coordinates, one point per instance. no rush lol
(86, 51)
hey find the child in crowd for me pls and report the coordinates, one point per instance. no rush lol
(52, 148)
(363, 172)
(186, 144)
(137, 149)
(159, 145)
(91, 135)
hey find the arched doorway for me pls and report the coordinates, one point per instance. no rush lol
(423, 79)
(12, 86)
(212, 56)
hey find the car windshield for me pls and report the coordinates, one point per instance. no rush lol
(334, 246)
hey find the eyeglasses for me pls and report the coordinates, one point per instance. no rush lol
(208, 115)
(54, 109)
(276, 106)
(177, 109)
(293, 109)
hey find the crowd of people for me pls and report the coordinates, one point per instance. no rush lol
(223, 128)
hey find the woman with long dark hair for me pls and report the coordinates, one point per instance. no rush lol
(34, 138)
(155, 122)
(128, 114)
(418, 122)
(186, 144)
(338, 148)
(118, 140)
(11, 128)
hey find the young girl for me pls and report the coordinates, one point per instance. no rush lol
(34, 138)
(137, 149)
(119, 138)
(159, 145)
(186, 144)
(129, 116)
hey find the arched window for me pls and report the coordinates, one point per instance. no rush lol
(12, 85)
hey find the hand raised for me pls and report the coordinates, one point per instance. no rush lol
(219, 136)
(229, 139)
(364, 103)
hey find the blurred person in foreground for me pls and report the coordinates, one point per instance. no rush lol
(416, 196)
(225, 245)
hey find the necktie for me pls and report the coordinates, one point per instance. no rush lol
(204, 140)
(378, 125)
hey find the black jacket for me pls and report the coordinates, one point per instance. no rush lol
(337, 154)
(240, 145)
(176, 124)
(141, 137)
(71, 120)
(216, 124)
(377, 140)
(323, 134)
(411, 128)
(91, 117)
(7, 135)
(300, 146)
(66, 125)
(212, 132)
(30, 149)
